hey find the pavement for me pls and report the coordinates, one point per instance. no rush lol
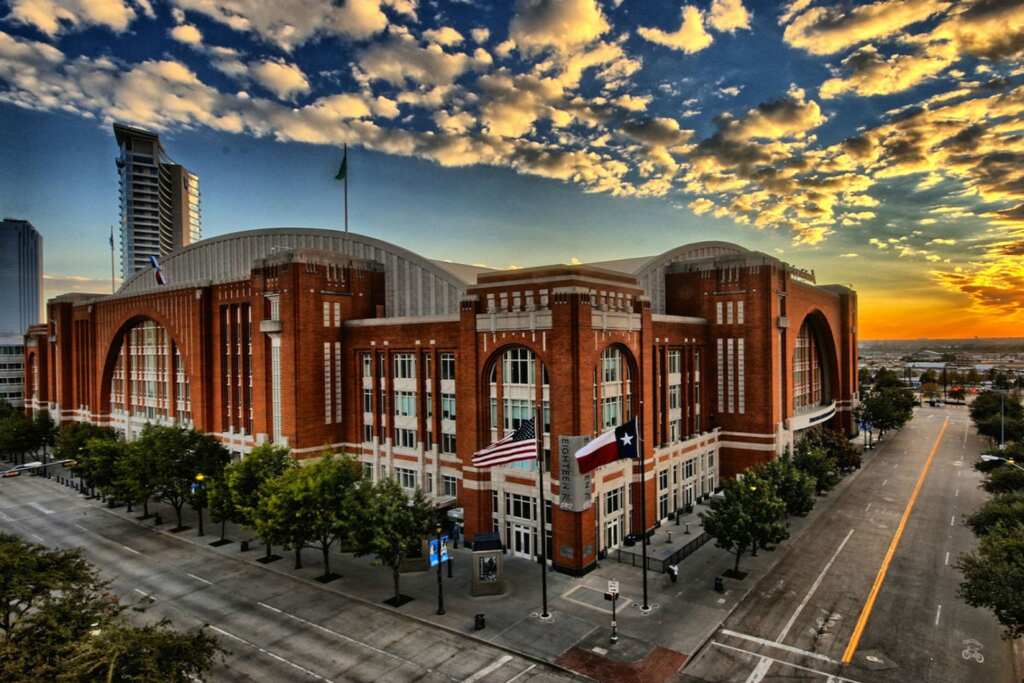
(807, 615)
(684, 620)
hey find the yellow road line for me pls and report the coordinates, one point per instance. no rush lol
(862, 621)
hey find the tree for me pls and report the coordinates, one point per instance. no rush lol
(818, 464)
(71, 444)
(957, 393)
(210, 457)
(768, 512)
(929, 376)
(155, 652)
(221, 504)
(45, 430)
(989, 404)
(972, 377)
(931, 390)
(795, 487)
(30, 573)
(1006, 509)
(887, 379)
(1005, 479)
(282, 515)
(137, 473)
(994, 577)
(888, 409)
(388, 525)
(16, 437)
(245, 479)
(60, 623)
(102, 459)
(730, 522)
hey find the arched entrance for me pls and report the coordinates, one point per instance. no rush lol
(146, 378)
(814, 365)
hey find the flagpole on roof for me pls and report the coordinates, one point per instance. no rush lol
(112, 287)
(538, 428)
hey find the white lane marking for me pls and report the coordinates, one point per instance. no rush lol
(780, 646)
(814, 587)
(104, 538)
(44, 510)
(144, 594)
(938, 613)
(131, 550)
(342, 636)
(947, 557)
(760, 671)
(311, 674)
(952, 520)
(493, 666)
(38, 538)
(867, 507)
(200, 579)
(885, 482)
(783, 662)
(956, 493)
(522, 673)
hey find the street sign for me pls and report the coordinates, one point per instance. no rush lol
(433, 550)
(613, 587)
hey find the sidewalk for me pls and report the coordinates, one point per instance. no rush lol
(652, 647)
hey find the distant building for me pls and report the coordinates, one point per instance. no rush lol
(21, 281)
(159, 200)
(322, 340)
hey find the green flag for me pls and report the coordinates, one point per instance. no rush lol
(343, 169)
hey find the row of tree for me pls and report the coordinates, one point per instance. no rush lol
(23, 437)
(752, 511)
(58, 622)
(999, 416)
(886, 403)
(994, 571)
(322, 505)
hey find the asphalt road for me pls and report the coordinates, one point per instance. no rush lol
(276, 628)
(802, 617)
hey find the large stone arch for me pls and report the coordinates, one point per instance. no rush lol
(816, 324)
(489, 366)
(113, 343)
(633, 365)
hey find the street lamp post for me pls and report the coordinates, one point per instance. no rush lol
(1008, 461)
(440, 583)
(197, 490)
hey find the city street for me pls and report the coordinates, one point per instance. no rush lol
(800, 620)
(276, 628)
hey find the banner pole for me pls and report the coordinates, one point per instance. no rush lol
(538, 428)
(643, 500)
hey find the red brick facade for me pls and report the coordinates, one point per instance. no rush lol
(303, 346)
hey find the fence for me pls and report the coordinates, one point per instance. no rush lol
(635, 559)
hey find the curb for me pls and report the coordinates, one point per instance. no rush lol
(313, 584)
(790, 548)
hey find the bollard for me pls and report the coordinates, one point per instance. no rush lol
(687, 528)
(669, 536)
(245, 547)
(449, 566)
(479, 622)
(719, 584)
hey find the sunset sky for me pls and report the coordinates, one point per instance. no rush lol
(880, 144)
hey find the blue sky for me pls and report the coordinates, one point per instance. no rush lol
(879, 144)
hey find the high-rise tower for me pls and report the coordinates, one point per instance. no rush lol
(21, 281)
(159, 200)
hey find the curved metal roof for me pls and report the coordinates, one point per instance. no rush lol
(414, 285)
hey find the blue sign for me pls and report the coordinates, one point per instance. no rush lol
(433, 550)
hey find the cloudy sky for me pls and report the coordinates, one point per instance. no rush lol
(880, 144)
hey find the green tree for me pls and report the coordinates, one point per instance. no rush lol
(957, 393)
(246, 477)
(331, 482)
(282, 514)
(221, 504)
(814, 460)
(137, 473)
(16, 437)
(989, 404)
(388, 524)
(61, 624)
(1004, 479)
(71, 444)
(795, 487)
(156, 652)
(768, 512)
(929, 376)
(887, 379)
(731, 521)
(179, 455)
(994, 577)
(931, 390)
(45, 432)
(102, 458)
(1006, 509)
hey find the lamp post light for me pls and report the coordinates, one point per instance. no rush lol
(197, 489)
(1008, 461)
(440, 584)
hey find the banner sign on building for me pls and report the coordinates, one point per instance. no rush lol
(574, 488)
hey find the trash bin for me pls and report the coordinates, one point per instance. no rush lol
(479, 622)
(719, 584)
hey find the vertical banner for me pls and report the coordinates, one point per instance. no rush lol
(573, 487)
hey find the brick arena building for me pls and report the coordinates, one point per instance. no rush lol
(323, 340)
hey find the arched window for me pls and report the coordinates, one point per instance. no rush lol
(148, 375)
(513, 393)
(613, 390)
(809, 388)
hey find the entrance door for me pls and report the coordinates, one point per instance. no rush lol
(521, 541)
(689, 494)
(613, 533)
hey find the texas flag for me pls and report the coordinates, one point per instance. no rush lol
(613, 445)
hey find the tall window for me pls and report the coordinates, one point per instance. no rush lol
(447, 365)
(513, 400)
(807, 376)
(146, 373)
(612, 389)
(405, 366)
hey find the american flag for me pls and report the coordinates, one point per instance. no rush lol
(519, 445)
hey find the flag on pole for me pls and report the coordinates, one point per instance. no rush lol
(111, 236)
(343, 169)
(159, 273)
(519, 445)
(615, 444)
